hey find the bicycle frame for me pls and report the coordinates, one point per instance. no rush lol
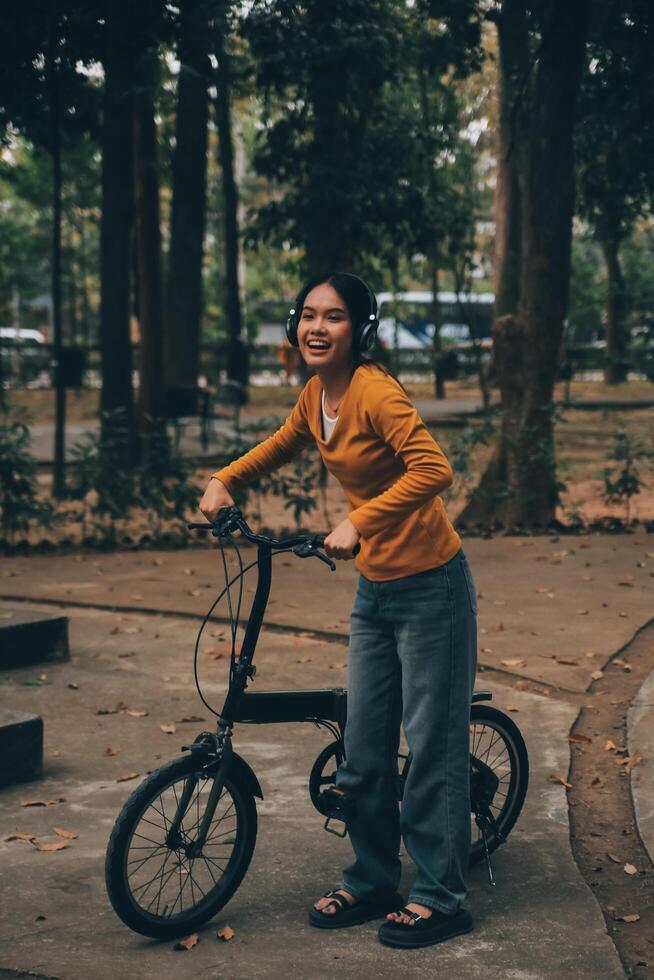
(326, 706)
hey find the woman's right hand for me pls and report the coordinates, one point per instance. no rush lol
(214, 498)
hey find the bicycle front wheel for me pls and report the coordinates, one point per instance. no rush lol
(158, 885)
(497, 743)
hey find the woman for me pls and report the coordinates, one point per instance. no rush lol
(412, 655)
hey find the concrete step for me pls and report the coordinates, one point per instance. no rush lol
(21, 747)
(28, 637)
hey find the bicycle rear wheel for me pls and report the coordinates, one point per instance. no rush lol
(497, 743)
(155, 884)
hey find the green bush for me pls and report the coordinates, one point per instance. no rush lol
(20, 506)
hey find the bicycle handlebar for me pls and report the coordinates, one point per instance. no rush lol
(304, 545)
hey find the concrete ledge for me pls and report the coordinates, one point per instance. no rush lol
(21, 747)
(28, 637)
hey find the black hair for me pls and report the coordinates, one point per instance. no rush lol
(357, 296)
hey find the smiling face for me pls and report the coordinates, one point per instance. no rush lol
(325, 330)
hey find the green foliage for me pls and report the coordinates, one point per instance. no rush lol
(343, 134)
(20, 505)
(622, 481)
(158, 489)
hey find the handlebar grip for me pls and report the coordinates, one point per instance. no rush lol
(320, 542)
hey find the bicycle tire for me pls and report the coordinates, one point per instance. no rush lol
(506, 815)
(508, 812)
(166, 924)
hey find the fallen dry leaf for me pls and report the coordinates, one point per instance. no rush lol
(574, 737)
(499, 627)
(622, 663)
(57, 846)
(188, 942)
(510, 707)
(581, 612)
(520, 685)
(632, 760)
(632, 917)
(630, 869)
(191, 719)
(486, 650)
(20, 835)
(303, 660)
(68, 834)
(226, 933)
(612, 857)
(136, 595)
(137, 714)
(215, 652)
(126, 776)
(596, 781)
(559, 779)
(514, 662)
(566, 663)
(73, 686)
(597, 675)
(110, 751)
(609, 745)
(60, 799)
(168, 729)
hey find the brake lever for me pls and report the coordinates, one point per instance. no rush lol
(309, 550)
(327, 561)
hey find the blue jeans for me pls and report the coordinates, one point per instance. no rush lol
(412, 660)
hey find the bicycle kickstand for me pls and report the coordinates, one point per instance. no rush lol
(485, 820)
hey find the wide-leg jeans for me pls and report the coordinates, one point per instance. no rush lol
(412, 661)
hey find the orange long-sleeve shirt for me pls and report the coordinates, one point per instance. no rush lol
(390, 467)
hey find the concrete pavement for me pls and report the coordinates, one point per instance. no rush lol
(541, 921)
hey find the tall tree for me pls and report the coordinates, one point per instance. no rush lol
(512, 143)
(615, 149)
(41, 86)
(184, 286)
(236, 366)
(146, 211)
(119, 61)
(321, 68)
(519, 486)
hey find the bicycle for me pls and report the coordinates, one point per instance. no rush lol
(184, 839)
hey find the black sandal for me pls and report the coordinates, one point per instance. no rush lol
(426, 931)
(349, 913)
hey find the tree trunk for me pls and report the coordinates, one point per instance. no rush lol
(117, 183)
(58, 476)
(436, 346)
(148, 249)
(184, 292)
(519, 487)
(236, 366)
(512, 137)
(615, 370)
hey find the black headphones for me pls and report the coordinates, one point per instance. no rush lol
(363, 334)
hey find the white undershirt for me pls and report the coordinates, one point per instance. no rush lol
(327, 423)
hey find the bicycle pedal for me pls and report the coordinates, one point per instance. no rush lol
(338, 805)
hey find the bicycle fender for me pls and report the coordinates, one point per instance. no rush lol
(239, 766)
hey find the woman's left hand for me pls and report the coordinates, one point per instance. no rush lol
(340, 543)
